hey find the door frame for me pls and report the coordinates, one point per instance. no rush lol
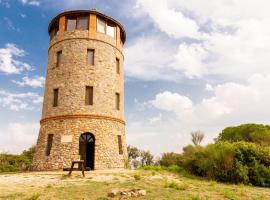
(84, 139)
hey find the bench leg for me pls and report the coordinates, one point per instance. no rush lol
(71, 169)
(83, 169)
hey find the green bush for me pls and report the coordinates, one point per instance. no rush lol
(168, 159)
(16, 163)
(238, 162)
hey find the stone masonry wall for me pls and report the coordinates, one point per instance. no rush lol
(62, 153)
(72, 117)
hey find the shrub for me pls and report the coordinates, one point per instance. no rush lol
(137, 177)
(239, 162)
(15, 163)
(168, 159)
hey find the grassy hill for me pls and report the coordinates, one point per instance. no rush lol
(97, 184)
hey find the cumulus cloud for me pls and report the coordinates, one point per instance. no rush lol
(5, 3)
(224, 39)
(229, 104)
(8, 60)
(35, 82)
(168, 20)
(18, 137)
(20, 101)
(10, 25)
(172, 102)
(30, 2)
(147, 59)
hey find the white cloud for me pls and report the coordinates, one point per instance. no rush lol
(224, 12)
(10, 25)
(8, 60)
(18, 137)
(5, 3)
(168, 20)
(172, 102)
(30, 2)
(226, 38)
(20, 101)
(147, 59)
(37, 81)
(190, 59)
(23, 15)
(229, 104)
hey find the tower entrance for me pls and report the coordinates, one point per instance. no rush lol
(87, 149)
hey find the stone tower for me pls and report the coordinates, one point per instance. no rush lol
(83, 108)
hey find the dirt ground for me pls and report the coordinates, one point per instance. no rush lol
(96, 185)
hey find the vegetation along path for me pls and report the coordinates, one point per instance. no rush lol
(97, 184)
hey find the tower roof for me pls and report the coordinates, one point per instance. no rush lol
(79, 12)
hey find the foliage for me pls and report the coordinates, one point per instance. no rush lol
(29, 153)
(168, 159)
(138, 158)
(197, 137)
(15, 163)
(133, 152)
(146, 158)
(239, 162)
(137, 177)
(256, 133)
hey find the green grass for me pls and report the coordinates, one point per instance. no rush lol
(159, 185)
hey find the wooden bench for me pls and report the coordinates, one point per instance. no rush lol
(80, 166)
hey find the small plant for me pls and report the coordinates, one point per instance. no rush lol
(175, 185)
(228, 194)
(197, 197)
(34, 197)
(49, 186)
(64, 176)
(102, 198)
(137, 177)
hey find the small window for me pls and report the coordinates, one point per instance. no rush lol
(89, 95)
(111, 30)
(101, 26)
(71, 24)
(117, 101)
(54, 32)
(91, 56)
(117, 66)
(49, 144)
(120, 144)
(59, 58)
(82, 23)
(55, 97)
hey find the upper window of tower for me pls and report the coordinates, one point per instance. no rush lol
(54, 31)
(101, 26)
(80, 23)
(71, 24)
(111, 30)
(106, 27)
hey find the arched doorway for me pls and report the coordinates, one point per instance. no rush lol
(87, 149)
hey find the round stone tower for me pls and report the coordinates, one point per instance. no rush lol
(83, 108)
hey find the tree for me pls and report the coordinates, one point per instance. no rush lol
(29, 153)
(197, 137)
(168, 159)
(146, 158)
(256, 133)
(139, 157)
(133, 152)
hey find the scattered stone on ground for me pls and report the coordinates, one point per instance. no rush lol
(126, 193)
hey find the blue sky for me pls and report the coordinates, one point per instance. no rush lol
(189, 65)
